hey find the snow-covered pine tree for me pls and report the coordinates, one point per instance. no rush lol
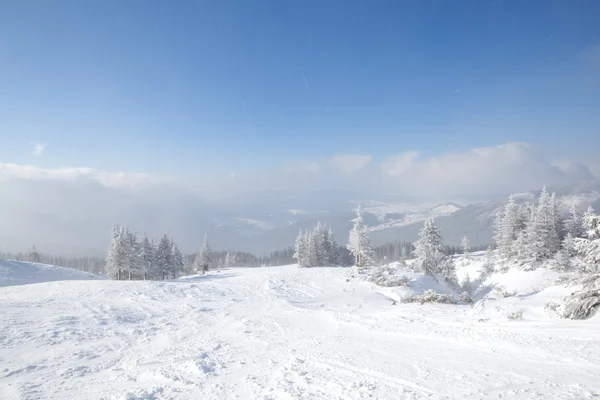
(301, 249)
(33, 255)
(164, 256)
(465, 246)
(331, 247)
(203, 259)
(319, 243)
(403, 253)
(588, 222)
(429, 249)
(116, 259)
(178, 265)
(148, 258)
(311, 249)
(359, 242)
(133, 249)
(574, 223)
(508, 225)
(542, 234)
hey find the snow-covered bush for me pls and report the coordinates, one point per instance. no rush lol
(429, 296)
(502, 292)
(584, 303)
(516, 316)
(384, 276)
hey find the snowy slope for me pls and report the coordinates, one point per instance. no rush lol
(277, 333)
(25, 273)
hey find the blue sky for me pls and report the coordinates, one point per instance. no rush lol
(207, 87)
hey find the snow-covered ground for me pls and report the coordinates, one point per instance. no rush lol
(281, 333)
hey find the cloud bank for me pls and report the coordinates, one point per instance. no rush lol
(71, 210)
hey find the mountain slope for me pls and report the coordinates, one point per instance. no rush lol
(13, 273)
(276, 333)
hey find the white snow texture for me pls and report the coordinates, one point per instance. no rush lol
(286, 333)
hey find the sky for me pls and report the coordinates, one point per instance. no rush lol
(249, 100)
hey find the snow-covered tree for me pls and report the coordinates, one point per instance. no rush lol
(33, 255)
(164, 257)
(429, 249)
(117, 257)
(178, 260)
(574, 223)
(543, 230)
(301, 249)
(331, 247)
(403, 254)
(508, 225)
(203, 259)
(148, 259)
(230, 260)
(590, 227)
(359, 242)
(133, 250)
(465, 246)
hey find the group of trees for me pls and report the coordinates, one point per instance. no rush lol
(316, 247)
(528, 232)
(131, 257)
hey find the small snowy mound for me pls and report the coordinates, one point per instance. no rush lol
(13, 273)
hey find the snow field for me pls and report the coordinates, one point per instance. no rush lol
(280, 333)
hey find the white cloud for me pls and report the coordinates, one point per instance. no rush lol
(38, 148)
(108, 179)
(349, 163)
(505, 168)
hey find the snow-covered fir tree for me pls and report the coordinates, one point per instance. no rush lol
(148, 258)
(508, 225)
(33, 255)
(429, 249)
(359, 242)
(574, 223)
(115, 266)
(178, 260)
(164, 257)
(543, 235)
(301, 249)
(316, 247)
(203, 259)
(403, 254)
(230, 260)
(465, 246)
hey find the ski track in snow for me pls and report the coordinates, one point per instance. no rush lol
(277, 333)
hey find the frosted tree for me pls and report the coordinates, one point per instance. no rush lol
(312, 252)
(33, 255)
(117, 257)
(574, 223)
(301, 249)
(465, 246)
(178, 265)
(403, 254)
(429, 249)
(133, 263)
(148, 258)
(542, 232)
(164, 256)
(589, 226)
(359, 242)
(508, 225)
(230, 260)
(331, 247)
(203, 259)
